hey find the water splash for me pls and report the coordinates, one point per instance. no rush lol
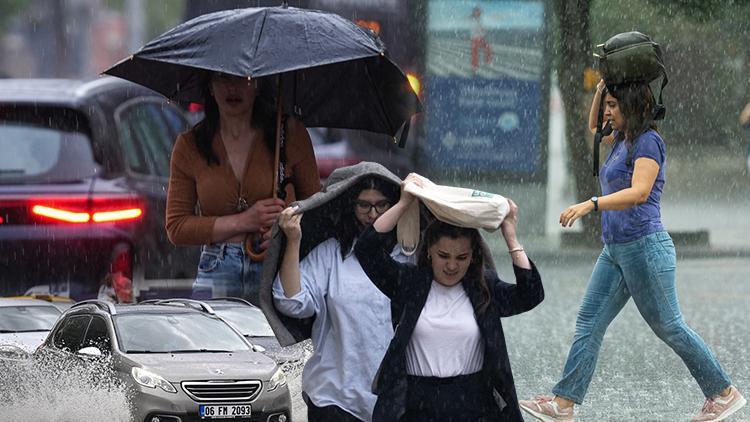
(44, 389)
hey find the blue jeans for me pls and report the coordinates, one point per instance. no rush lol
(644, 269)
(224, 270)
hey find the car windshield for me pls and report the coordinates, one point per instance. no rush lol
(175, 333)
(249, 321)
(19, 319)
(44, 145)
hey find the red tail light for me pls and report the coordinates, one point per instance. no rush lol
(98, 209)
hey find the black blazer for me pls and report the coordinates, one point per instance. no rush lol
(408, 286)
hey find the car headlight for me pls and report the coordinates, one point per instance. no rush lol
(277, 380)
(151, 380)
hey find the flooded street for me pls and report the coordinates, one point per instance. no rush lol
(638, 378)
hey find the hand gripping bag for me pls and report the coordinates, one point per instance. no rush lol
(462, 207)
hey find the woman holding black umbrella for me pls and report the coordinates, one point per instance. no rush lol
(224, 167)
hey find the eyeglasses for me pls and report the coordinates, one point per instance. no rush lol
(364, 207)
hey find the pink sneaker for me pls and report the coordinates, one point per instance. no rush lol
(719, 408)
(545, 409)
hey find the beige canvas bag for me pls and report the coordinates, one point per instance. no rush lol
(458, 206)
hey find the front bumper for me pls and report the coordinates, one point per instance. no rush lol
(157, 405)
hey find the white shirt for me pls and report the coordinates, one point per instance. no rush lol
(351, 332)
(446, 341)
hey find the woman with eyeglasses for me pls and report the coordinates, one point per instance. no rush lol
(352, 325)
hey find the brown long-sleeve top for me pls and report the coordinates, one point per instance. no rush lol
(216, 189)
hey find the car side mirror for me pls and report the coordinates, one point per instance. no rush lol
(259, 349)
(90, 352)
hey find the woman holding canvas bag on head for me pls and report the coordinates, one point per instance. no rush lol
(447, 360)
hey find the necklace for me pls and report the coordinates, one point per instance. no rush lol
(242, 203)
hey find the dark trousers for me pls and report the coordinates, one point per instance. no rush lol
(455, 399)
(327, 413)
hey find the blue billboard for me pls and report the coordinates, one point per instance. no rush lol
(484, 78)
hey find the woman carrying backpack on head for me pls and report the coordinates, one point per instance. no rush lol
(638, 261)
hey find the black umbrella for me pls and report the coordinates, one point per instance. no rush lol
(335, 73)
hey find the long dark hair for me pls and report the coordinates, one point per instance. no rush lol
(475, 273)
(636, 103)
(262, 118)
(349, 227)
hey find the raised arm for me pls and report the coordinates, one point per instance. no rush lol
(373, 254)
(299, 290)
(600, 87)
(513, 299)
(289, 271)
(528, 291)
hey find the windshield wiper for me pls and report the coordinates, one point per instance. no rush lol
(143, 351)
(200, 351)
(8, 331)
(36, 330)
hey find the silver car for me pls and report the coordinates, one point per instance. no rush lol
(25, 322)
(180, 361)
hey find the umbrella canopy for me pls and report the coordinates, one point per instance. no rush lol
(334, 73)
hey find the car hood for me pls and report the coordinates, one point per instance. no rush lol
(203, 366)
(274, 350)
(26, 341)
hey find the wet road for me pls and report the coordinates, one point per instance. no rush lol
(638, 377)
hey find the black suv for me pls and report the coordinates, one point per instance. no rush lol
(83, 184)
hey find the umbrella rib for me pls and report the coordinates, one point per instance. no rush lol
(380, 100)
(260, 34)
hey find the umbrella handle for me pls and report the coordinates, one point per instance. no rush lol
(259, 256)
(254, 256)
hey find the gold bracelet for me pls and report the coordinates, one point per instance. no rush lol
(518, 249)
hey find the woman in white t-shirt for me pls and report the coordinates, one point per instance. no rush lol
(447, 360)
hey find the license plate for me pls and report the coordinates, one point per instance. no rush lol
(224, 411)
